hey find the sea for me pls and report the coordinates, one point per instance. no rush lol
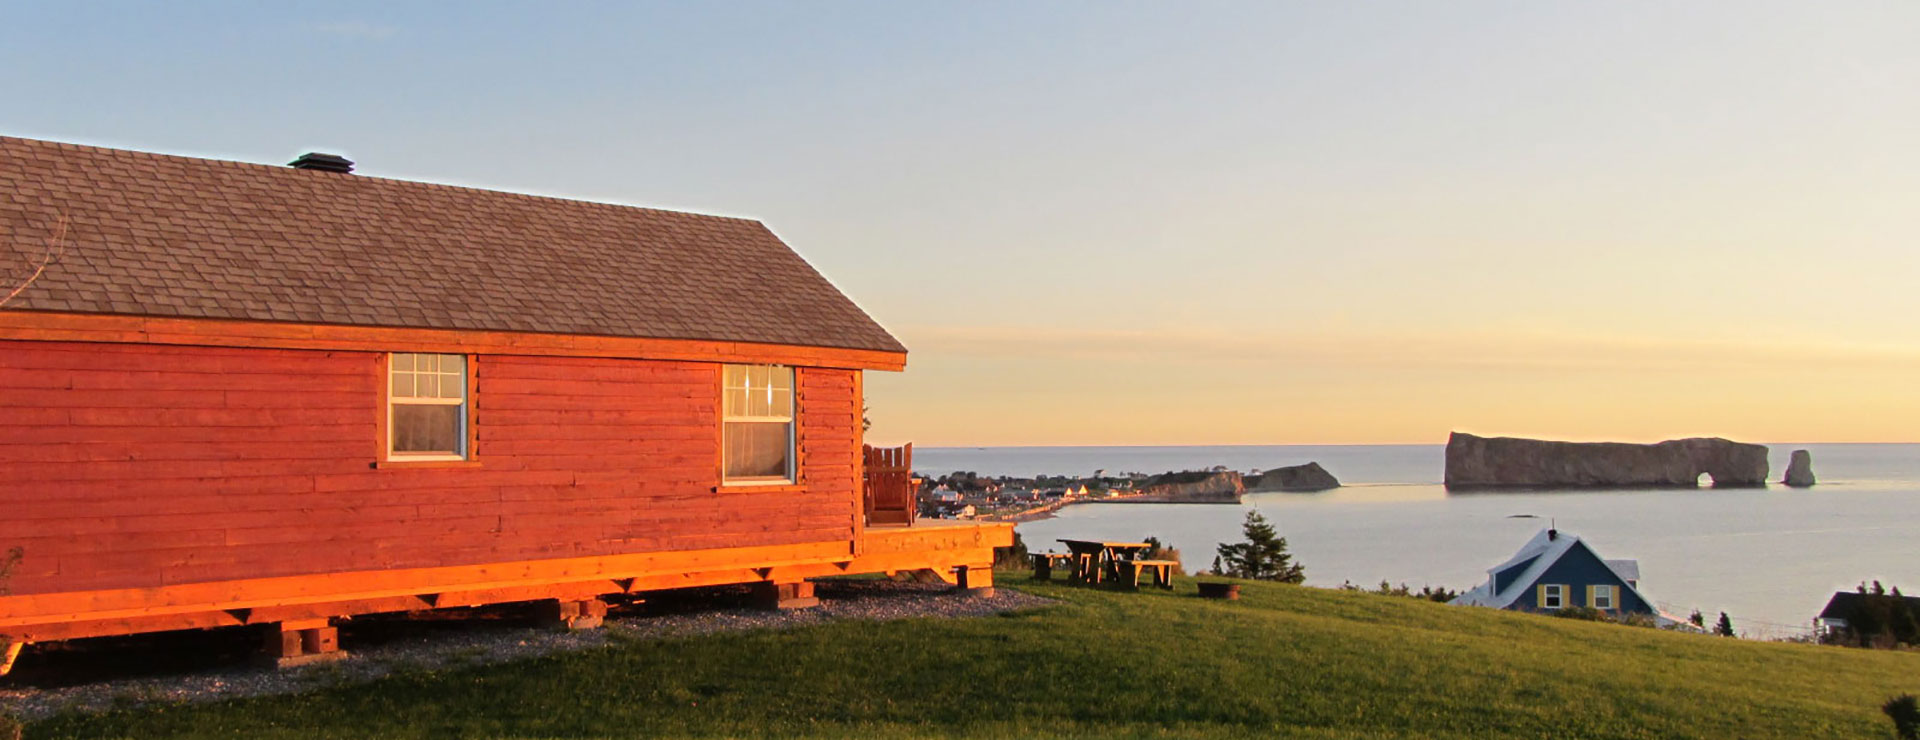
(1768, 557)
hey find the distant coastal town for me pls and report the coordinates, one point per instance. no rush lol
(968, 495)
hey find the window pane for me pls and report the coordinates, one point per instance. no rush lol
(782, 378)
(735, 376)
(452, 386)
(736, 402)
(782, 403)
(427, 428)
(402, 385)
(427, 385)
(402, 361)
(757, 401)
(757, 449)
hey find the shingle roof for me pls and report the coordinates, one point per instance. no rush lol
(158, 235)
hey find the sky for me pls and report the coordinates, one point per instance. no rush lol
(1161, 223)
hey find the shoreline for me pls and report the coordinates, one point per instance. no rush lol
(1047, 511)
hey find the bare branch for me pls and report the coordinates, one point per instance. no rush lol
(56, 246)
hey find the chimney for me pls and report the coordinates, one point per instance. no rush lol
(1553, 534)
(322, 162)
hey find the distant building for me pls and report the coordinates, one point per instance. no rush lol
(1556, 570)
(1845, 604)
(955, 511)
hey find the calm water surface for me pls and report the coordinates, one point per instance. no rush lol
(1769, 557)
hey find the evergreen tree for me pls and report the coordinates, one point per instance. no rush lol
(1263, 556)
(1725, 627)
(1697, 619)
(1216, 567)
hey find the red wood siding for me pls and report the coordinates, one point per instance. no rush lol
(127, 466)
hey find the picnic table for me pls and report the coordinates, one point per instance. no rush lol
(1095, 561)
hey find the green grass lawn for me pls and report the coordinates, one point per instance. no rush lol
(1284, 661)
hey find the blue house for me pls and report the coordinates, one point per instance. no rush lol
(1556, 570)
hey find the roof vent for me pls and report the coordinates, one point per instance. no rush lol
(322, 162)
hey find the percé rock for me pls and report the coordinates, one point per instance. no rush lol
(1308, 477)
(1799, 469)
(1193, 486)
(1506, 462)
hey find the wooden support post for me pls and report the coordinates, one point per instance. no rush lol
(11, 654)
(975, 581)
(300, 642)
(565, 614)
(794, 595)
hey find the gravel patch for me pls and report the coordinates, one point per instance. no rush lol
(397, 646)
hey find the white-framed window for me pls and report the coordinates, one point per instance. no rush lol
(1603, 597)
(426, 406)
(1553, 595)
(756, 425)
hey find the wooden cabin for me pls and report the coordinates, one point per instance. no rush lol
(265, 395)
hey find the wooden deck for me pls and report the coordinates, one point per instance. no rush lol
(948, 548)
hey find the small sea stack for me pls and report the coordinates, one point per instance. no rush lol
(1306, 478)
(1799, 470)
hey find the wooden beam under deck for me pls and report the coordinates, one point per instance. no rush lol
(932, 545)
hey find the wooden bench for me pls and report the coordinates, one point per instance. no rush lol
(1162, 572)
(1044, 563)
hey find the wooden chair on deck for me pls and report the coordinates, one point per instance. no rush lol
(890, 497)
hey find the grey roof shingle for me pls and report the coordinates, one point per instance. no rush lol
(159, 235)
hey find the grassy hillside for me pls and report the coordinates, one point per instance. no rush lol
(1285, 661)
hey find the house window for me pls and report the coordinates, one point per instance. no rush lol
(1602, 597)
(427, 407)
(757, 425)
(1553, 596)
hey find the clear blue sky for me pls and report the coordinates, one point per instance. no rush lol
(1116, 222)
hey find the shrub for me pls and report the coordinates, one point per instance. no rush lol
(1637, 619)
(1904, 710)
(1439, 594)
(1587, 613)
